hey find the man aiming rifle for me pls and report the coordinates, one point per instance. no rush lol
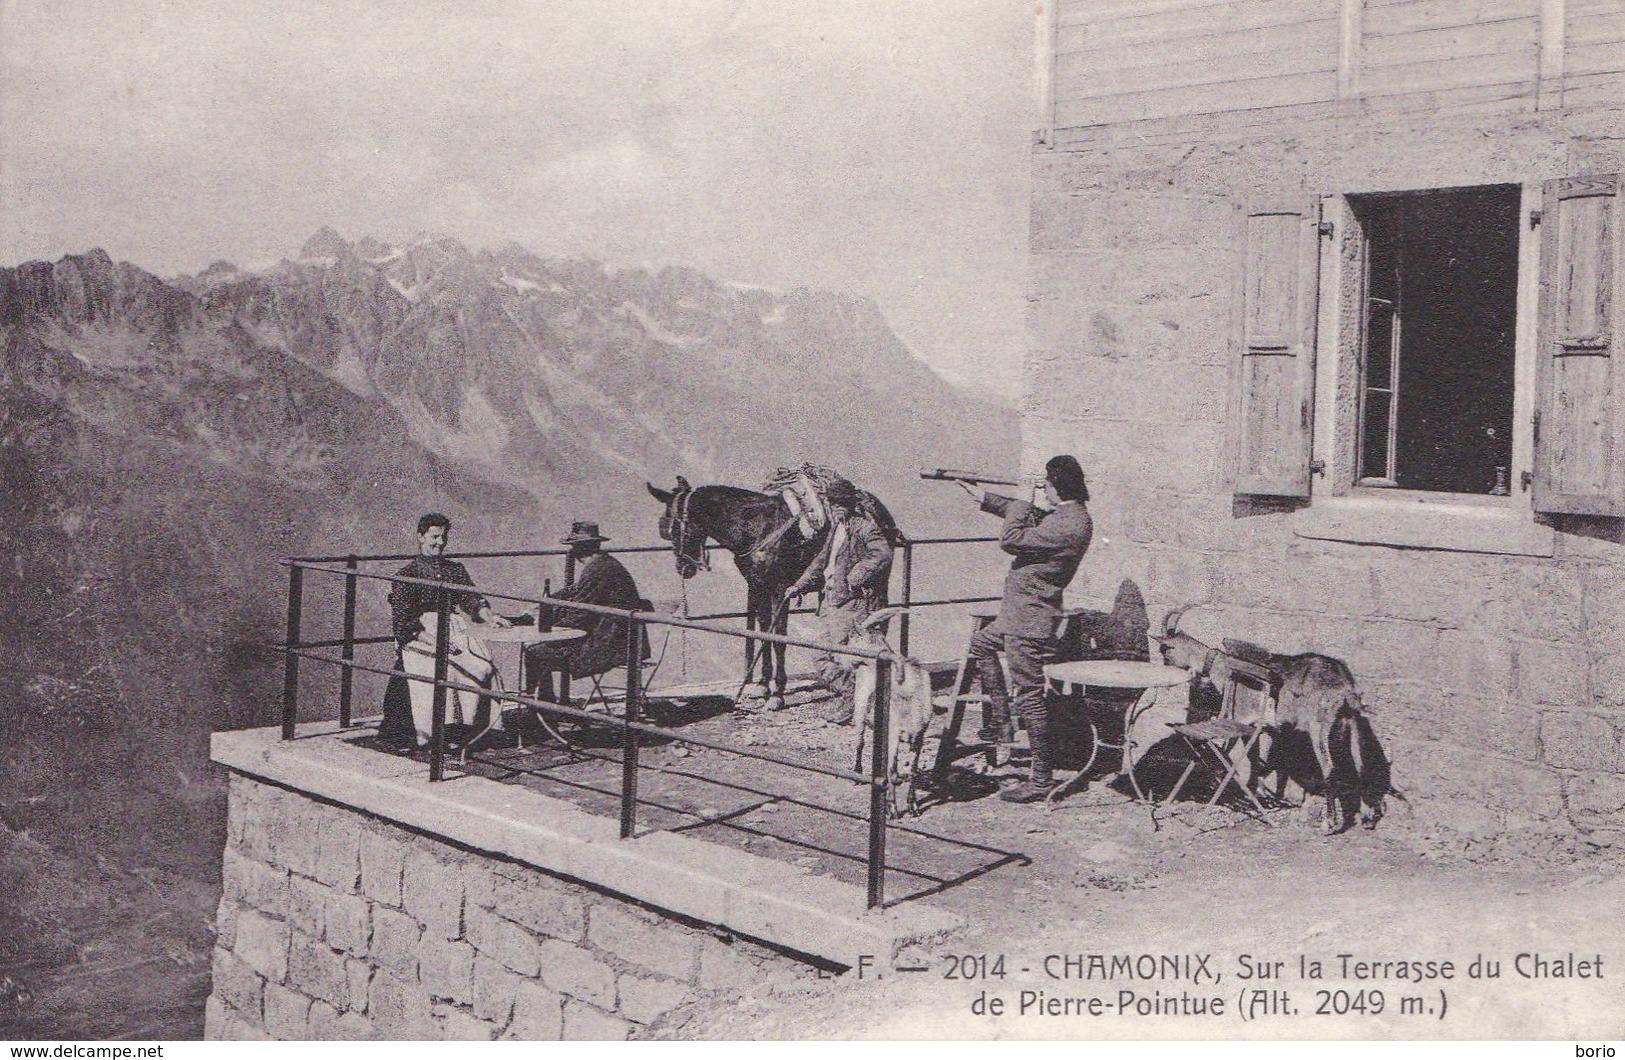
(1047, 548)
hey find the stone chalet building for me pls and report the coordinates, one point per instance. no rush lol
(1325, 294)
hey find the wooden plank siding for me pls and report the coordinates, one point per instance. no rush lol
(1125, 60)
(1252, 94)
(1449, 74)
(1595, 59)
(1410, 16)
(1583, 92)
(1168, 28)
(1221, 57)
(1513, 41)
(1074, 12)
(1583, 15)
(1439, 45)
(1140, 62)
(1594, 41)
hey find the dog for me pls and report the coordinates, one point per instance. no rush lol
(910, 715)
(1312, 705)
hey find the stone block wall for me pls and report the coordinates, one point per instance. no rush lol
(1497, 682)
(336, 925)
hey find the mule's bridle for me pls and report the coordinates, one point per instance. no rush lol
(682, 526)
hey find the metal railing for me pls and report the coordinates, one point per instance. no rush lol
(631, 723)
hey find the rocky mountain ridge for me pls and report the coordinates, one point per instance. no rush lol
(164, 443)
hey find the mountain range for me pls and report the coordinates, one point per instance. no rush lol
(164, 442)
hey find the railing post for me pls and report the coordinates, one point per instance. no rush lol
(629, 738)
(437, 730)
(879, 775)
(347, 674)
(564, 674)
(290, 675)
(908, 597)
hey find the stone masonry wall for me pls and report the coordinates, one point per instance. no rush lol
(334, 925)
(1496, 682)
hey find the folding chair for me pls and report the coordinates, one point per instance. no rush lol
(600, 694)
(1222, 744)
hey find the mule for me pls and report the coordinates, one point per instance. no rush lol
(1314, 703)
(768, 548)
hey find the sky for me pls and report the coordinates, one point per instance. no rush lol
(877, 148)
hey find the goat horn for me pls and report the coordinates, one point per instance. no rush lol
(1170, 621)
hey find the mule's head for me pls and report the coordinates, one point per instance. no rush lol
(677, 525)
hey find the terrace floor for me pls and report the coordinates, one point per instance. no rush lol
(1103, 874)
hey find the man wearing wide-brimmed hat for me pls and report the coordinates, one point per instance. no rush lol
(600, 579)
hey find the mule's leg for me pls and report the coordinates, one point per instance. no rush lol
(750, 627)
(780, 613)
(754, 649)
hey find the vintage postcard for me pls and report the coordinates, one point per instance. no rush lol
(741, 519)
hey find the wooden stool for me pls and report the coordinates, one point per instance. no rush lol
(980, 618)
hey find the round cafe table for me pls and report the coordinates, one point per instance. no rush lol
(524, 636)
(1078, 677)
(533, 636)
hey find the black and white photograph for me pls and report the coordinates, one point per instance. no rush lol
(807, 520)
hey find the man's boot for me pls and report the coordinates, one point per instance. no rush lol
(996, 724)
(1041, 781)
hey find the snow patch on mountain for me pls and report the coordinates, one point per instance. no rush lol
(659, 333)
(351, 373)
(518, 283)
(480, 437)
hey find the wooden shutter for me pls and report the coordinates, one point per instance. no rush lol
(1281, 284)
(1579, 382)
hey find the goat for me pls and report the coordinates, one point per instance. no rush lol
(910, 715)
(1314, 699)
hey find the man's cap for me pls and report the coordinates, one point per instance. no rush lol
(580, 532)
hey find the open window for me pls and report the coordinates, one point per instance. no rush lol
(1436, 371)
(1466, 348)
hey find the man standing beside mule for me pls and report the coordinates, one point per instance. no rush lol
(1047, 546)
(853, 569)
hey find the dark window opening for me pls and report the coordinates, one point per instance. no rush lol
(1437, 379)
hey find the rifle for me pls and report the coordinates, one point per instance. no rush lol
(948, 474)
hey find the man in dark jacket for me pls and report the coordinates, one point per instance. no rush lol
(407, 704)
(602, 580)
(853, 569)
(1047, 546)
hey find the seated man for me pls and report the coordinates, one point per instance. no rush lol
(853, 569)
(408, 703)
(601, 580)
